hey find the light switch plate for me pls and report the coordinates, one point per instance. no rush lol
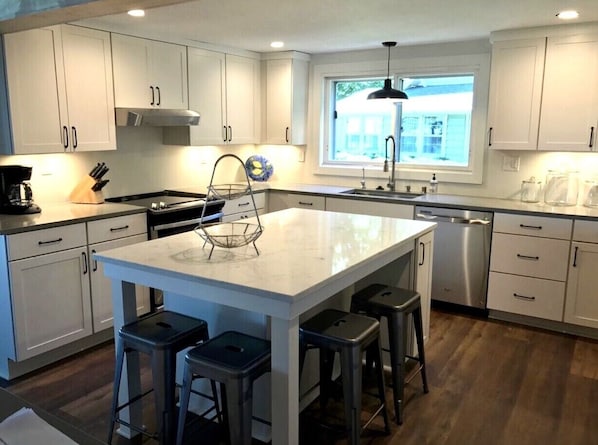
(510, 163)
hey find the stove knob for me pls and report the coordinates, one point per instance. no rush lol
(154, 205)
(162, 205)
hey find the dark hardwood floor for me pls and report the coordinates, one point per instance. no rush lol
(490, 383)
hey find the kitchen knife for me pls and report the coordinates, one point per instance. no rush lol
(94, 171)
(102, 172)
(100, 185)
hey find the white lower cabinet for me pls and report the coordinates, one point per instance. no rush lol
(581, 304)
(283, 200)
(101, 285)
(242, 208)
(363, 207)
(423, 277)
(528, 265)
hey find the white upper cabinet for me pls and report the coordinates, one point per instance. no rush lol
(286, 101)
(224, 89)
(569, 115)
(515, 94)
(60, 78)
(149, 73)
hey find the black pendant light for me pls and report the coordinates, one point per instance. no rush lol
(388, 92)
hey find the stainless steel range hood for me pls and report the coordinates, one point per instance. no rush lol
(155, 117)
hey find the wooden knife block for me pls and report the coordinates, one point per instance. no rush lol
(83, 194)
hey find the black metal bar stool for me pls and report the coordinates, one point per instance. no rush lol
(160, 335)
(235, 360)
(396, 304)
(350, 335)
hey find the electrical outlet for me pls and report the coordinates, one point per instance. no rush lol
(510, 163)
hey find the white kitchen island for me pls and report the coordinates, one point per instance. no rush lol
(306, 257)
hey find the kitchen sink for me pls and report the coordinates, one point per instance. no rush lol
(382, 193)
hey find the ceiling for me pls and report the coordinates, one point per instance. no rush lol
(319, 26)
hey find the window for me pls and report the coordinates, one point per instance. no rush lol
(435, 123)
(440, 129)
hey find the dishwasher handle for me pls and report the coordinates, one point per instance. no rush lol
(453, 219)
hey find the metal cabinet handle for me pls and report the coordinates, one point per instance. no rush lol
(528, 257)
(65, 137)
(423, 260)
(85, 269)
(159, 96)
(116, 229)
(490, 137)
(305, 203)
(286, 135)
(225, 133)
(523, 297)
(95, 262)
(591, 137)
(230, 133)
(153, 95)
(75, 141)
(243, 204)
(53, 241)
(524, 226)
(575, 256)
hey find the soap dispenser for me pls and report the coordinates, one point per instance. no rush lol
(433, 184)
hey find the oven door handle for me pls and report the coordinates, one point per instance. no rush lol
(188, 222)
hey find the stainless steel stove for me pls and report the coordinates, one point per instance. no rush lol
(170, 212)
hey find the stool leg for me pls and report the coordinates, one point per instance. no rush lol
(397, 331)
(351, 376)
(163, 373)
(377, 350)
(240, 409)
(326, 367)
(184, 402)
(120, 358)
(419, 334)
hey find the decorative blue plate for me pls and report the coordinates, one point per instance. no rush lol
(258, 168)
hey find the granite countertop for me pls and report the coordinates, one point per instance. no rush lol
(54, 214)
(456, 201)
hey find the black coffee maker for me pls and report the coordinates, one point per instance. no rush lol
(15, 192)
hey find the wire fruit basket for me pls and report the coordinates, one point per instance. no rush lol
(232, 234)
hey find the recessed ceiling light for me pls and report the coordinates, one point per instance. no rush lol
(568, 15)
(136, 13)
(277, 44)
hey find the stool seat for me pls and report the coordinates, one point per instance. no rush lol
(394, 303)
(350, 335)
(235, 360)
(161, 335)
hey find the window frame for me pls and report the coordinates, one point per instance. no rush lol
(325, 74)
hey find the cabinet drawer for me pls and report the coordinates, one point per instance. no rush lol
(530, 256)
(244, 204)
(114, 228)
(315, 202)
(533, 225)
(39, 242)
(533, 297)
(586, 231)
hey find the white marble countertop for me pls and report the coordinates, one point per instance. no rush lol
(61, 213)
(328, 244)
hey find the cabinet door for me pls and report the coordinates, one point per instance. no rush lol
(515, 94)
(581, 303)
(363, 207)
(50, 300)
(169, 75)
(278, 101)
(101, 285)
(569, 114)
(36, 91)
(423, 277)
(207, 96)
(242, 99)
(131, 67)
(90, 95)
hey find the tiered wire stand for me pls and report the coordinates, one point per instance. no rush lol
(229, 235)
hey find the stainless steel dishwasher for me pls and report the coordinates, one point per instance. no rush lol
(461, 254)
